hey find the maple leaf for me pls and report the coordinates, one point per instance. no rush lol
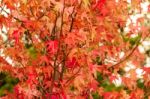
(132, 96)
(149, 8)
(137, 94)
(52, 96)
(16, 36)
(112, 78)
(9, 4)
(44, 59)
(100, 4)
(86, 3)
(63, 94)
(111, 95)
(71, 39)
(18, 92)
(72, 63)
(32, 76)
(32, 79)
(93, 85)
(52, 46)
(146, 69)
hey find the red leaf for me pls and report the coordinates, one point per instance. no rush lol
(72, 63)
(112, 77)
(111, 95)
(32, 76)
(18, 92)
(133, 96)
(63, 95)
(149, 8)
(44, 59)
(100, 4)
(9, 4)
(52, 46)
(16, 36)
(146, 69)
(93, 85)
(52, 96)
(32, 79)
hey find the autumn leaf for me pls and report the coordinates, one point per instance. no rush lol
(111, 95)
(16, 36)
(146, 69)
(52, 96)
(93, 85)
(71, 39)
(9, 4)
(63, 94)
(86, 3)
(25, 1)
(112, 78)
(32, 79)
(32, 52)
(52, 46)
(72, 63)
(44, 59)
(100, 4)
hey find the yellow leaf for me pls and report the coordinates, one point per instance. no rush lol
(86, 3)
(25, 1)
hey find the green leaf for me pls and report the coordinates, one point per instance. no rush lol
(27, 46)
(32, 52)
(145, 97)
(99, 77)
(148, 52)
(121, 72)
(124, 37)
(95, 95)
(127, 90)
(134, 40)
(72, 88)
(108, 87)
(140, 83)
(97, 60)
(90, 49)
(7, 83)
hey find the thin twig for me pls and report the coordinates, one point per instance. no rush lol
(130, 54)
(73, 15)
(73, 76)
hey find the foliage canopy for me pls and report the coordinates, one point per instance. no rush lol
(69, 49)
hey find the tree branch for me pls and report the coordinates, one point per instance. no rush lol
(73, 15)
(130, 54)
(73, 76)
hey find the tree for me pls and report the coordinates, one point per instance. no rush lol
(72, 49)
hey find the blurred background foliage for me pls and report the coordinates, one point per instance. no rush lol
(7, 82)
